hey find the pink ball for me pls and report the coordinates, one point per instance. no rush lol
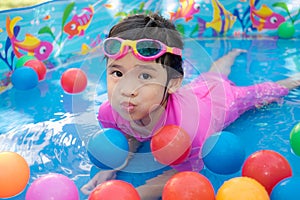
(52, 186)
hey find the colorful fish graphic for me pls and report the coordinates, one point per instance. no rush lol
(47, 17)
(31, 44)
(264, 18)
(92, 47)
(186, 10)
(79, 23)
(222, 20)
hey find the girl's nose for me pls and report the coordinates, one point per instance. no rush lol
(129, 93)
(129, 90)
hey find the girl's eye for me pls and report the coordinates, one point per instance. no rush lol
(117, 73)
(145, 76)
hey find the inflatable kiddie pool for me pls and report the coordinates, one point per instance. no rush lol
(50, 127)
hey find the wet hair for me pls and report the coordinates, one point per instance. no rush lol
(156, 27)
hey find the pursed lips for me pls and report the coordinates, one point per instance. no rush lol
(128, 106)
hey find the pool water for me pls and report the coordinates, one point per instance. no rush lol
(50, 128)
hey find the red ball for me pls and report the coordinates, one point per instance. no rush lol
(114, 189)
(38, 66)
(188, 186)
(73, 80)
(170, 145)
(267, 167)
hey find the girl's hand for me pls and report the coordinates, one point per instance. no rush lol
(99, 178)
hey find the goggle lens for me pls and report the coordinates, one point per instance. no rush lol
(112, 47)
(148, 48)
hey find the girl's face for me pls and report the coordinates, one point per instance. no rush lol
(135, 88)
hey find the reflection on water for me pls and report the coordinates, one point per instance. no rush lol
(49, 128)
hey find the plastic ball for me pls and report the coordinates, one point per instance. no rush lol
(295, 139)
(226, 148)
(24, 78)
(242, 188)
(14, 174)
(52, 186)
(286, 189)
(170, 145)
(114, 189)
(267, 167)
(38, 66)
(286, 30)
(188, 185)
(108, 149)
(22, 60)
(73, 80)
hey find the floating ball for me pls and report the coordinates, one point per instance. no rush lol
(188, 185)
(286, 189)
(22, 60)
(24, 78)
(295, 139)
(114, 189)
(14, 174)
(73, 80)
(108, 149)
(286, 30)
(52, 186)
(38, 66)
(226, 148)
(242, 188)
(170, 145)
(267, 167)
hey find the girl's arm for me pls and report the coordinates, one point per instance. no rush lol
(154, 187)
(105, 175)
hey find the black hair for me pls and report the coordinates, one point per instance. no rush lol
(156, 27)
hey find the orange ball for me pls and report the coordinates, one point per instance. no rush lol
(188, 186)
(171, 145)
(39, 67)
(14, 174)
(73, 80)
(114, 189)
(242, 188)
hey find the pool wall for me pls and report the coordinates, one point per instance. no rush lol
(44, 30)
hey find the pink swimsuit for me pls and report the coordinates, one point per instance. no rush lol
(203, 107)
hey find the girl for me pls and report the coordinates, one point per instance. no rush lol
(144, 76)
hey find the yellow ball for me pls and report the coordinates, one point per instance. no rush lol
(244, 188)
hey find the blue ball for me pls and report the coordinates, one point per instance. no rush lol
(223, 153)
(108, 149)
(24, 78)
(288, 188)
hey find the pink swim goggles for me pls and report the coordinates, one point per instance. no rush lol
(143, 49)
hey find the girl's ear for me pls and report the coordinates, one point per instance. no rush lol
(174, 85)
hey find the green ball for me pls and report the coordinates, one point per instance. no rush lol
(286, 30)
(295, 139)
(21, 61)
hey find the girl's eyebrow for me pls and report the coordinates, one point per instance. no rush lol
(148, 67)
(112, 65)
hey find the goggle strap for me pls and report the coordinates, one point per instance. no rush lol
(174, 50)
